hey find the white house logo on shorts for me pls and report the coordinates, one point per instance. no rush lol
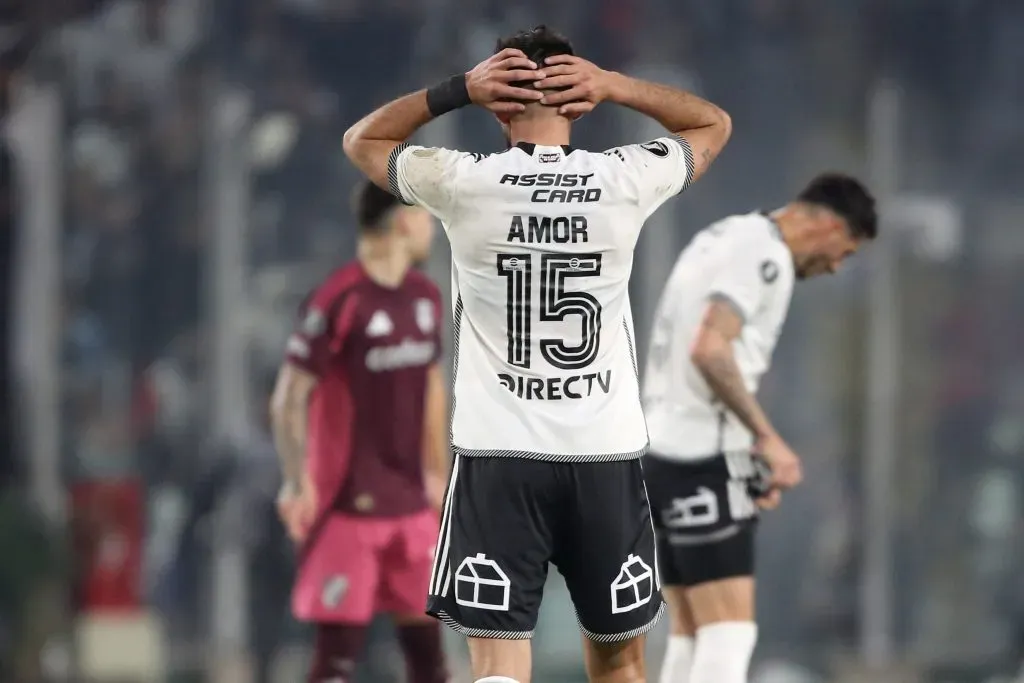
(334, 590)
(700, 509)
(633, 587)
(480, 583)
(424, 309)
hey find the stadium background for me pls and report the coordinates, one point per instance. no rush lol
(173, 183)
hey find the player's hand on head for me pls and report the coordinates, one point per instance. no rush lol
(490, 82)
(585, 84)
(787, 471)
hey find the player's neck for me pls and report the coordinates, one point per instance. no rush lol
(383, 262)
(547, 132)
(789, 231)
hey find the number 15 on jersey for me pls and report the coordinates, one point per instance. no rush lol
(556, 304)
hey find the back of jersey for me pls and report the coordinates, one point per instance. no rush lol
(542, 247)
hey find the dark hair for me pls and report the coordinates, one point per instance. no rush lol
(848, 198)
(538, 43)
(371, 204)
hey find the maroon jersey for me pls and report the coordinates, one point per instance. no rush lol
(371, 347)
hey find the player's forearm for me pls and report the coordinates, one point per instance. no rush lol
(436, 457)
(289, 421)
(719, 369)
(289, 429)
(675, 109)
(370, 140)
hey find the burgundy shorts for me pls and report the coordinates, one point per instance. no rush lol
(357, 567)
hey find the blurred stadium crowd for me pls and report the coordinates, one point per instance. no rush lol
(135, 78)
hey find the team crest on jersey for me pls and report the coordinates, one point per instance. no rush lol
(656, 147)
(424, 309)
(314, 324)
(769, 271)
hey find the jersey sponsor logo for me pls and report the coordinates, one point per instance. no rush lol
(334, 591)
(769, 271)
(588, 196)
(700, 509)
(557, 388)
(558, 180)
(547, 179)
(656, 147)
(408, 354)
(314, 324)
(480, 583)
(549, 157)
(380, 325)
(545, 230)
(633, 587)
(424, 312)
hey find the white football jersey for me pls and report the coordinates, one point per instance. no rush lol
(743, 260)
(542, 248)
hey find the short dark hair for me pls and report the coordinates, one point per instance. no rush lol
(848, 198)
(538, 43)
(371, 204)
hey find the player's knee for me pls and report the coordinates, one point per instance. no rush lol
(424, 652)
(682, 623)
(336, 649)
(618, 662)
(723, 600)
(723, 651)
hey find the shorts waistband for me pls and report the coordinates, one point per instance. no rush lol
(550, 457)
(735, 464)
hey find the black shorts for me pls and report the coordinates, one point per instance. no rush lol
(705, 517)
(505, 519)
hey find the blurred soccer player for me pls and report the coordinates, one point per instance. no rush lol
(715, 329)
(361, 394)
(547, 424)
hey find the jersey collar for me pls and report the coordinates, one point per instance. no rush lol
(529, 148)
(775, 230)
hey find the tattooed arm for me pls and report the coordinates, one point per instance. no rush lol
(704, 125)
(712, 354)
(289, 414)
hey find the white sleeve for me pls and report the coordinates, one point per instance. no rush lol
(747, 278)
(663, 168)
(426, 176)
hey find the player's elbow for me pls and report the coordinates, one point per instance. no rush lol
(719, 130)
(354, 144)
(723, 126)
(707, 349)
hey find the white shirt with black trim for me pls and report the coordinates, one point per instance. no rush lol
(542, 245)
(743, 261)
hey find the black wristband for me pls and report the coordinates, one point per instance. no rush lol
(448, 95)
